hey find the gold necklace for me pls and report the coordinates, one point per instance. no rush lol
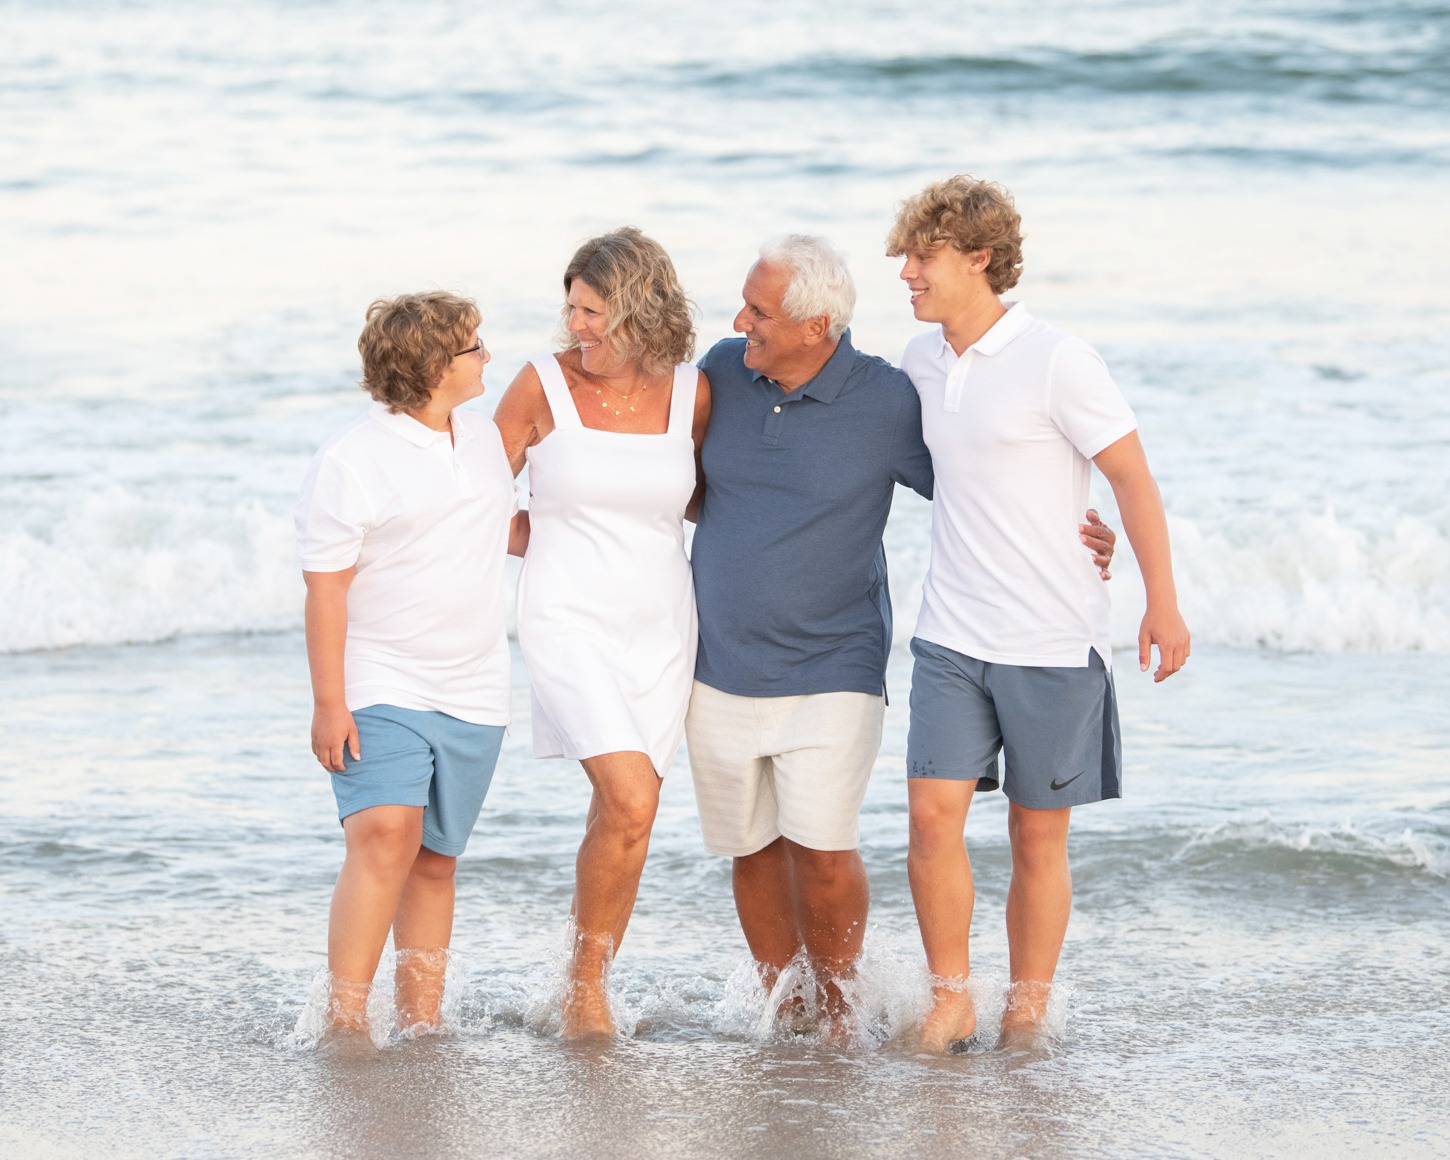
(603, 402)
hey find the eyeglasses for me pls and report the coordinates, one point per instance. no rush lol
(476, 346)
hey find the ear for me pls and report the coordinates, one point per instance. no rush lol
(816, 329)
(980, 260)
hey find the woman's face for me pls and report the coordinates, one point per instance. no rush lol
(588, 319)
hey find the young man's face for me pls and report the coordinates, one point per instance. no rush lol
(944, 282)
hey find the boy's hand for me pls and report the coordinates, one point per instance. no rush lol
(1165, 628)
(332, 728)
(1100, 540)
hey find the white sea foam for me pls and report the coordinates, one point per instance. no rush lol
(117, 567)
(888, 995)
(1297, 582)
(1308, 582)
(1409, 848)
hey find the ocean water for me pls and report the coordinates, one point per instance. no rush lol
(1242, 206)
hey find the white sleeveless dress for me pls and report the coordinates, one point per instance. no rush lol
(606, 601)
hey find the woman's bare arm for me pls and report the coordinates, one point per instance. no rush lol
(702, 422)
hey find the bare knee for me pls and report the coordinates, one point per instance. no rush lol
(825, 869)
(386, 836)
(1039, 840)
(433, 867)
(934, 827)
(627, 817)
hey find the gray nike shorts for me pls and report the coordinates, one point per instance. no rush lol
(1057, 728)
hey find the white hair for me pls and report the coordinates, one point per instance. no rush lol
(819, 281)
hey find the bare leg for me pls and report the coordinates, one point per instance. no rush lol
(422, 930)
(940, 872)
(382, 844)
(1039, 902)
(611, 859)
(832, 897)
(764, 892)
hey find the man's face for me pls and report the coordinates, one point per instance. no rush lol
(944, 281)
(774, 342)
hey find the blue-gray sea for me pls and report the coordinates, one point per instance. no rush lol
(1242, 205)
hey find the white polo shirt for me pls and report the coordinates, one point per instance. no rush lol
(425, 518)
(1012, 426)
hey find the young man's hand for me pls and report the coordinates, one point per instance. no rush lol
(1166, 629)
(333, 728)
(1100, 540)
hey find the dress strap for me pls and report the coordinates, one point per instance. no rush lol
(682, 399)
(556, 390)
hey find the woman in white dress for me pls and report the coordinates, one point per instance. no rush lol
(611, 429)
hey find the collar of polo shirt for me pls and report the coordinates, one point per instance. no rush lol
(416, 433)
(1003, 331)
(830, 378)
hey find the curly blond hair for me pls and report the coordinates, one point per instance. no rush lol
(408, 342)
(968, 214)
(647, 316)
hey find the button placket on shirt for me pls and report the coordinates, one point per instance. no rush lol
(461, 479)
(775, 417)
(957, 380)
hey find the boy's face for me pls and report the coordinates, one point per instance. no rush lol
(463, 378)
(944, 282)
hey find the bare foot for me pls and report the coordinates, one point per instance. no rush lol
(1024, 1022)
(418, 986)
(347, 1005)
(794, 1017)
(586, 1012)
(952, 1018)
(838, 1023)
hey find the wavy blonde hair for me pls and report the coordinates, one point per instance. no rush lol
(967, 214)
(408, 342)
(647, 316)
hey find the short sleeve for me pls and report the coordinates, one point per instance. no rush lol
(910, 459)
(1084, 402)
(488, 431)
(333, 515)
(712, 357)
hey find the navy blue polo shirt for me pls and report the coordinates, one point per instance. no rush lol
(790, 574)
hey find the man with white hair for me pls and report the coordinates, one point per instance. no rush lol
(808, 438)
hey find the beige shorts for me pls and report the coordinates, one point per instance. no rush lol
(771, 767)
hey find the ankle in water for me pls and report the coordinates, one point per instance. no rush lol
(347, 1004)
(419, 978)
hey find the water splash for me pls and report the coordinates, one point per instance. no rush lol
(312, 1026)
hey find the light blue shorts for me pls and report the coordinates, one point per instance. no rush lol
(416, 758)
(1056, 727)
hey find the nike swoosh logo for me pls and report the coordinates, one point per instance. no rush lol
(1064, 784)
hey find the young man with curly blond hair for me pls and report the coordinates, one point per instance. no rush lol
(1012, 647)
(403, 523)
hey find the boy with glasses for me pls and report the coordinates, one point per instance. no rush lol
(403, 523)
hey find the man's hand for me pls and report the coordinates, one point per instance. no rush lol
(1166, 629)
(332, 728)
(1100, 540)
